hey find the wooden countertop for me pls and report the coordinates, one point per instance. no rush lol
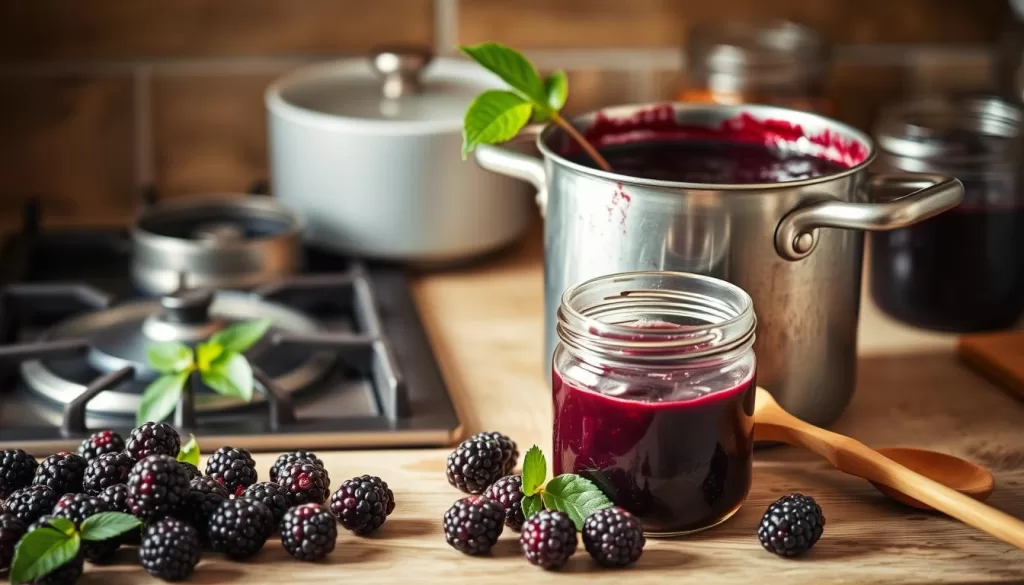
(485, 324)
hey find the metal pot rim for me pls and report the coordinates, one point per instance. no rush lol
(759, 111)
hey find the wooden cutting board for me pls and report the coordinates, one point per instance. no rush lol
(999, 356)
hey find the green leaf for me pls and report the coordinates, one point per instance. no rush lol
(169, 357)
(189, 452)
(160, 398)
(108, 525)
(576, 496)
(557, 88)
(535, 471)
(512, 67)
(240, 336)
(42, 551)
(230, 375)
(532, 505)
(207, 353)
(62, 524)
(494, 116)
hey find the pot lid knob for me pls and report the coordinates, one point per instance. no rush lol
(187, 306)
(400, 68)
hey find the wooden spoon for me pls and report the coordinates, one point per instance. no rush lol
(953, 472)
(772, 423)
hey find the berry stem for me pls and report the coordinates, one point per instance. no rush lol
(581, 140)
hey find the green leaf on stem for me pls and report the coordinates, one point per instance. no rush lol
(62, 524)
(535, 470)
(42, 551)
(575, 495)
(240, 336)
(169, 357)
(189, 452)
(207, 353)
(108, 525)
(532, 505)
(494, 116)
(160, 398)
(512, 67)
(557, 88)
(230, 375)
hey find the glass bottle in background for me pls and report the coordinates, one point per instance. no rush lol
(963, 270)
(778, 62)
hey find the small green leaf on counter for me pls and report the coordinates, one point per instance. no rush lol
(108, 525)
(532, 505)
(161, 397)
(189, 452)
(494, 116)
(576, 496)
(240, 336)
(535, 470)
(207, 353)
(170, 357)
(42, 551)
(230, 375)
(512, 67)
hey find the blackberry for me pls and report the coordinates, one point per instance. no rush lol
(306, 481)
(106, 470)
(116, 497)
(192, 471)
(153, 439)
(548, 539)
(66, 574)
(240, 527)
(292, 457)
(713, 486)
(170, 549)
(29, 503)
(508, 491)
(791, 525)
(480, 461)
(275, 497)
(61, 472)
(233, 468)
(362, 504)
(613, 537)
(100, 443)
(205, 495)
(472, 525)
(157, 487)
(11, 531)
(78, 507)
(308, 532)
(16, 470)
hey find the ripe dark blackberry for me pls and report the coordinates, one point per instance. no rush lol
(153, 439)
(240, 527)
(78, 507)
(157, 487)
(170, 549)
(233, 468)
(116, 497)
(100, 443)
(11, 531)
(61, 472)
(30, 503)
(791, 525)
(713, 486)
(292, 457)
(308, 532)
(16, 471)
(362, 503)
(275, 497)
(613, 537)
(548, 539)
(192, 471)
(480, 461)
(472, 525)
(508, 491)
(106, 470)
(205, 495)
(306, 481)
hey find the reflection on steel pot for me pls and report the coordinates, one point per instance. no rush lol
(368, 150)
(773, 239)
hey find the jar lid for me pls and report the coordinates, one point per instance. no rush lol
(740, 46)
(401, 89)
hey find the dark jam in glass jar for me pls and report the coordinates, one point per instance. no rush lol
(653, 385)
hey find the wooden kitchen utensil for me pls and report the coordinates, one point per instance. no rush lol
(953, 472)
(772, 423)
(999, 356)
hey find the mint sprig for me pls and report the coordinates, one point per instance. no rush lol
(55, 544)
(573, 494)
(189, 452)
(219, 361)
(497, 116)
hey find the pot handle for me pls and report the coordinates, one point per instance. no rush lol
(506, 161)
(931, 194)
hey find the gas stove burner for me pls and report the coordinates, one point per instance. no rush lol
(117, 338)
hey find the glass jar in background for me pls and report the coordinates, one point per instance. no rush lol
(778, 62)
(653, 384)
(963, 270)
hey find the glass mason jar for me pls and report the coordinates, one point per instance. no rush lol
(779, 63)
(653, 384)
(962, 270)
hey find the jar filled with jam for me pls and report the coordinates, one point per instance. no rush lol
(653, 383)
(963, 270)
(778, 63)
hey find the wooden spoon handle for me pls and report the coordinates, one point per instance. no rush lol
(857, 459)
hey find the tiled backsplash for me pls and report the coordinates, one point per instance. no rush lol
(101, 97)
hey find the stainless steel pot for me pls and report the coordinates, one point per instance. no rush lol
(770, 239)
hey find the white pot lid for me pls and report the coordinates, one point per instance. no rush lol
(393, 91)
